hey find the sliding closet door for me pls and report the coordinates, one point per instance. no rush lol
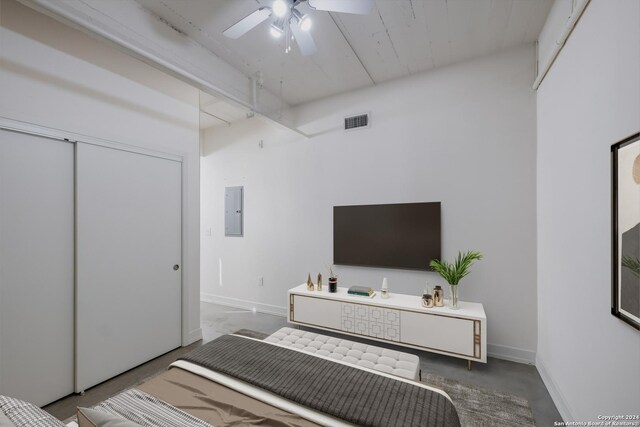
(36, 267)
(128, 261)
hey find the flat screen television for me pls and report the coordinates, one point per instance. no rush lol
(403, 235)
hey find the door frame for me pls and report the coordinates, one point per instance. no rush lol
(188, 337)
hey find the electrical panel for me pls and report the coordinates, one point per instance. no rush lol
(233, 211)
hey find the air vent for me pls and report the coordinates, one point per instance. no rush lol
(357, 122)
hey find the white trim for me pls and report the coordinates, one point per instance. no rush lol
(513, 354)
(576, 14)
(246, 304)
(192, 336)
(47, 132)
(184, 303)
(556, 395)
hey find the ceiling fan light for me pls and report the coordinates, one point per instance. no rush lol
(302, 21)
(276, 32)
(280, 8)
(305, 23)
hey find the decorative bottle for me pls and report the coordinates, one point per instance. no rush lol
(427, 299)
(438, 296)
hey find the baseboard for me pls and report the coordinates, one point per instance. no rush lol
(192, 337)
(246, 304)
(512, 354)
(554, 392)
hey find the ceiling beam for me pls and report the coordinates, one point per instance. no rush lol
(216, 117)
(142, 34)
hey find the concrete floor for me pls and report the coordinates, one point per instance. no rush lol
(67, 406)
(506, 377)
(501, 375)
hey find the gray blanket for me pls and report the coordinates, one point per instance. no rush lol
(351, 394)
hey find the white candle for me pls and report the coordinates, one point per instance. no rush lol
(384, 291)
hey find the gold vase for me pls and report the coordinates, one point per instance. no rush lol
(319, 282)
(427, 301)
(438, 296)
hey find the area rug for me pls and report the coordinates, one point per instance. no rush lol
(480, 407)
(477, 407)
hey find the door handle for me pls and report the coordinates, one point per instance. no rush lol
(176, 267)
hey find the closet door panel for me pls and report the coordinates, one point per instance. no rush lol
(128, 242)
(36, 267)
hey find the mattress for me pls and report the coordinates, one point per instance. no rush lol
(221, 383)
(354, 394)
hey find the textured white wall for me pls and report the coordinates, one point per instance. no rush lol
(590, 99)
(55, 76)
(462, 135)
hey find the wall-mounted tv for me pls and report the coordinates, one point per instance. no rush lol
(403, 236)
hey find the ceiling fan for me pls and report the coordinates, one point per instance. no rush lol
(292, 23)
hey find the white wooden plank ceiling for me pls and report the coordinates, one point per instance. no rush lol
(399, 38)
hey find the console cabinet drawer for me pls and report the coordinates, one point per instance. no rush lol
(316, 311)
(372, 321)
(440, 333)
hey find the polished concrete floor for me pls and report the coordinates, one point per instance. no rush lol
(503, 376)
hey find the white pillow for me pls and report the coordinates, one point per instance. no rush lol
(24, 414)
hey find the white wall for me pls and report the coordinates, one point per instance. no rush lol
(590, 99)
(55, 76)
(462, 135)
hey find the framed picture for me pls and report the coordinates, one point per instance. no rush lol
(625, 289)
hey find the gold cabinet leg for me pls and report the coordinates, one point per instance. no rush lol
(469, 364)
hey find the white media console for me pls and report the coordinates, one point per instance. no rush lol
(399, 319)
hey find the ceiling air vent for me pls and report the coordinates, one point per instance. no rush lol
(357, 122)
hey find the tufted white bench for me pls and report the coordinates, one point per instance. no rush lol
(392, 362)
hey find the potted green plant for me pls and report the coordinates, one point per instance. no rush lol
(455, 271)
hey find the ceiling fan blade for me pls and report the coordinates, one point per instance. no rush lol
(359, 7)
(305, 41)
(247, 23)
